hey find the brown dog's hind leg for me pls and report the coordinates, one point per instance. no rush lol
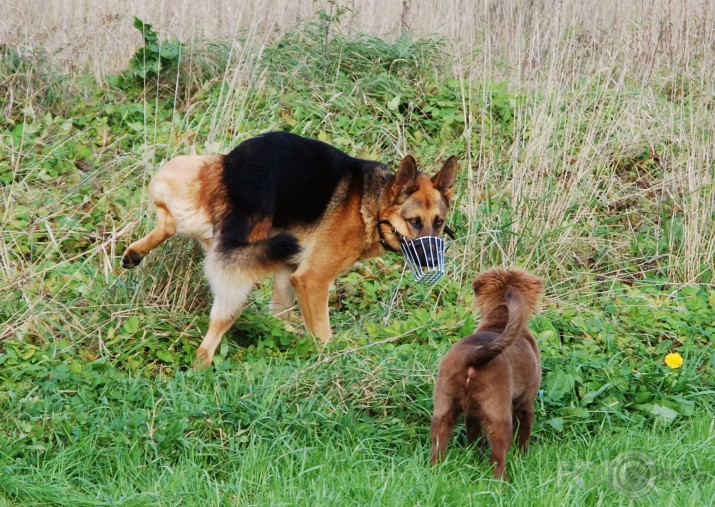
(165, 228)
(442, 427)
(500, 435)
(525, 417)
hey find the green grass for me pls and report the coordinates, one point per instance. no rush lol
(263, 435)
(585, 170)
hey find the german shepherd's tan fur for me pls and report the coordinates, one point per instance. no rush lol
(294, 207)
(493, 375)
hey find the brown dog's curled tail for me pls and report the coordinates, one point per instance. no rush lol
(519, 313)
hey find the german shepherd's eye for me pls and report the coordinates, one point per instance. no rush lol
(417, 221)
(438, 222)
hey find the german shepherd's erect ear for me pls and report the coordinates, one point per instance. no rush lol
(405, 183)
(406, 179)
(445, 178)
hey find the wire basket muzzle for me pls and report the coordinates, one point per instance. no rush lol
(425, 257)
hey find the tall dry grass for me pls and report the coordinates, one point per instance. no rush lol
(520, 37)
(595, 74)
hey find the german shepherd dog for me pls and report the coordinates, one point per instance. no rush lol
(493, 375)
(295, 207)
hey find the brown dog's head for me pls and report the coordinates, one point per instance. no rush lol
(491, 285)
(417, 204)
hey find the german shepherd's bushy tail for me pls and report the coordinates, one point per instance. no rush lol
(266, 252)
(518, 292)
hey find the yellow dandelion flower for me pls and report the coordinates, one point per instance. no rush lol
(674, 360)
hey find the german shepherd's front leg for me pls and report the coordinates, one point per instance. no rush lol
(312, 290)
(312, 282)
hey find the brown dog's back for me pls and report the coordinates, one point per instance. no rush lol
(495, 373)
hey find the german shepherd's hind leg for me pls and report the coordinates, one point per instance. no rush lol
(283, 295)
(224, 313)
(230, 295)
(165, 228)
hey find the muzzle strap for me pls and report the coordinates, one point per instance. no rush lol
(449, 232)
(383, 241)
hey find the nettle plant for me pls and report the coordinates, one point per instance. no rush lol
(150, 59)
(174, 68)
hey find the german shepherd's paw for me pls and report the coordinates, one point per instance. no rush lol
(203, 359)
(131, 259)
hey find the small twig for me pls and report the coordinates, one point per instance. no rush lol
(394, 295)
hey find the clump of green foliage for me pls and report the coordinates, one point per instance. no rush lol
(173, 68)
(154, 57)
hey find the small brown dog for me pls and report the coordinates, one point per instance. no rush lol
(493, 375)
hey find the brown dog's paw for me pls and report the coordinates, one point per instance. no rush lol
(131, 259)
